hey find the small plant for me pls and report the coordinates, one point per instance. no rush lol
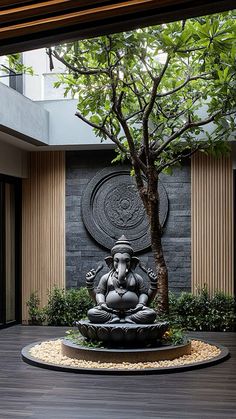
(173, 336)
(75, 337)
(37, 315)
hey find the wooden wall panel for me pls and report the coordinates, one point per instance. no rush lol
(212, 223)
(43, 225)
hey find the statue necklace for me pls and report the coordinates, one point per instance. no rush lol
(118, 286)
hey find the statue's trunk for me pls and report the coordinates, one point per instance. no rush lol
(121, 272)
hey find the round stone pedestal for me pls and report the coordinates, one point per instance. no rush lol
(161, 353)
(123, 334)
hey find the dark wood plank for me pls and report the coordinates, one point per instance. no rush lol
(51, 24)
(30, 392)
(41, 9)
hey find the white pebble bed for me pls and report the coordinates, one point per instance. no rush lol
(50, 352)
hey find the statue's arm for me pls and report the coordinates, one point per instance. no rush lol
(90, 278)
(153, 282)
(143, 299)
(143, 292)
(102, 290)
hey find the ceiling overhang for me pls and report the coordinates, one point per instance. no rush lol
(27, 24)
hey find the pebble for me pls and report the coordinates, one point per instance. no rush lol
(50, 352)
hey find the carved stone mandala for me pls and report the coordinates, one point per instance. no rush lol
(111, 207)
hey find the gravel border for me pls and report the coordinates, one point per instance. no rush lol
(47, 354)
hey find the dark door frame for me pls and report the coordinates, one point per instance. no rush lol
(17, 185)
(234, 229)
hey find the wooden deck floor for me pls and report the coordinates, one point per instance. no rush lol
(30, 392)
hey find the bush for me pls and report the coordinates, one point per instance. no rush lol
(187, 311)
(202, 312)
(65, 307)
(37, 315)
(78, 302)
(56, 308)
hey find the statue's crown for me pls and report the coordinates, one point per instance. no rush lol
(122, 246)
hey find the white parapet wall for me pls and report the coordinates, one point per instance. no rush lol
(23, 118)
(66, 129)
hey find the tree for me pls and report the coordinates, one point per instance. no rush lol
(146, 90)
(14, 67)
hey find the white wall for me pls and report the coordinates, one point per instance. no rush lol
(40, 85)
(66, 129)
(22, 115)
(13, 161)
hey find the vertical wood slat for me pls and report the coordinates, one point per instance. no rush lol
(43, 226)
(212, 223)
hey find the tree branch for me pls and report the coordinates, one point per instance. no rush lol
(133, 115)
(77, 70)
(150, 106)
(178, 158)
(104, 131)
(187, 126)
(137, 93)
(185, 51)
(187, 80)
(116, 107)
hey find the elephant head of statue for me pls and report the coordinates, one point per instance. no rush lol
(122, 260)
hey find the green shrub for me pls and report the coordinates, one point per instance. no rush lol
(187, 311)
(56, 307)
(202, 312)
(65, 307)
(37, 315)
(78, 302)
(222, 315)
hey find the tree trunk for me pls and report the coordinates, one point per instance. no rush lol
(150, 198)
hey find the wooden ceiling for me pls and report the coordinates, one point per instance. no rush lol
(27, 24)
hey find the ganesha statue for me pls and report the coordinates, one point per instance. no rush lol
(122, 315)
(122, 295)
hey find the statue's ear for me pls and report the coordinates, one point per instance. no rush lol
(134, 262)
(109, 262)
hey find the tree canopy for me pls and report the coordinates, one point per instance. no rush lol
(160, 94)
(14, 67)
(153, 91)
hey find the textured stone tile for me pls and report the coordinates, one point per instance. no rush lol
(82, 251)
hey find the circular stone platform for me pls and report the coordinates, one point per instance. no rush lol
(48, 354)
(162, 353)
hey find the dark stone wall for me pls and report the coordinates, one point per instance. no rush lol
(83, 253)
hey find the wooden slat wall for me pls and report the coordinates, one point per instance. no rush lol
(212, 223)
(43, 226)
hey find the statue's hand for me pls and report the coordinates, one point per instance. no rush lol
(152, 275)
(138, 307)
(90, 276)
(105, 307)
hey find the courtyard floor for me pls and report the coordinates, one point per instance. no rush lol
(30, 392)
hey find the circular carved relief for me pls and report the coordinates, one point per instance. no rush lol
(111, 206)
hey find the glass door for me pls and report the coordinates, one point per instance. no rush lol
(9, 255)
